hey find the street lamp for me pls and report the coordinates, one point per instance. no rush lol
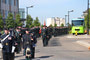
(27, 9)
(69, 15)
(88, 19)
(65, 19)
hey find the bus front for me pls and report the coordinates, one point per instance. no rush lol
(78, 25)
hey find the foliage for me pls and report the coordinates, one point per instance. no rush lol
(51, 25)
(62, 25)
(86, 18)
(55, 25)
(10, 21)
(1, 22)
(18, 20)
(36, 22)
(29, 21)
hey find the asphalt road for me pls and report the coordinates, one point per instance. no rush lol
(59, 48)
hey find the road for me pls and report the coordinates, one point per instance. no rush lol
(60, 48)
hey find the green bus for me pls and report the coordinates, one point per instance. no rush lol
(78, 25)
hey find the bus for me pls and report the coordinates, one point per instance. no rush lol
(78, 25)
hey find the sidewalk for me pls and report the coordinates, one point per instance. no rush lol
(78, 36)
(85, 43)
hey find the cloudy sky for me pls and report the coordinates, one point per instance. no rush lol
(54, 8)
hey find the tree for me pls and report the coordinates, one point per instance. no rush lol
(36, 22)
(1, 22)
(62, 25)
(10, 21)
(55, 25)
(50, 25)
(70, 26)
(29, 21)
(42, 26)
(87, 19)
(18, 20)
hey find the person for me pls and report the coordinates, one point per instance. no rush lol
(44, 35)
(8, 44)
(26, 42)
(33, 41)
(18, 40)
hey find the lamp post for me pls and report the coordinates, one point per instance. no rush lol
(27, 9)
(69, 15)
(88, 19)
(65, 19)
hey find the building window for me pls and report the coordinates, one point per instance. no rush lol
(3, 14)
(6, 14)
(16, 2)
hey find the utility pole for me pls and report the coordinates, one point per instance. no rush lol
(68, 17)
(65, 19)
(88, 19)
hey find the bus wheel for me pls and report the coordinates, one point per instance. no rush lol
(73, 33)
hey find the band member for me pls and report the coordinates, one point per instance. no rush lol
(18, 40)
(27, 44)
(7, 45)
(44, 36)
(33, 41)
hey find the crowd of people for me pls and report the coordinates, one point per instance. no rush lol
(23, 39)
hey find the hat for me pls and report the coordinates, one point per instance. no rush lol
(27, 30)
(6, 29)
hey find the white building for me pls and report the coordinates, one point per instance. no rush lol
(55, 20)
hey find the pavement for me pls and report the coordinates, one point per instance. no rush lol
(60, 48)
(78, 36)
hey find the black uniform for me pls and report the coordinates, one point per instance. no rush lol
(26, 42)
(7, 47)
(18, 41)
(34, 41)
(44, 37)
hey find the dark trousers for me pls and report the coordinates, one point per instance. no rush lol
(45, 41)
(8, 56)
(33, 52)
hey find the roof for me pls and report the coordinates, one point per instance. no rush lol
(77, 19)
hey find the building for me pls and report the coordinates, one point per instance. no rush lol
(22, 13)
(55, 20)
(22, 16)
(9, 6)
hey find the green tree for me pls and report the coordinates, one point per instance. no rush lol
(29, 21)
(55, 25)
(18, 20)
(70, 26)
(51, 25)
(42, 26)
(36, 22)
(10, 21)
(62, 25)
(1, 22)
(87, 19)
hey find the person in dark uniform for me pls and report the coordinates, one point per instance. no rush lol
(44, 36)
(8, 44)
(26, 41)
(33, 41)
(18, 40)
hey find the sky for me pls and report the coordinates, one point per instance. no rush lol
(44, 9)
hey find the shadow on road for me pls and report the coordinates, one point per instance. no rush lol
(46, 56)
(19, 56)
(54, 42)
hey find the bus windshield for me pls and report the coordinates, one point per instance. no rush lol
(77, 22)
